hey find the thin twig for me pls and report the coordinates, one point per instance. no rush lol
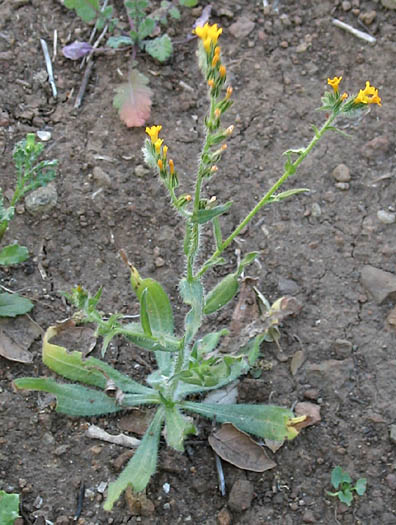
(80, 501)
(353, 31)
(95, 432)
(220, 474)
(48, 65)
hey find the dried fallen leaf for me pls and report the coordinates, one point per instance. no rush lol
(239, 449)
(274, 446)
(133, 100)
(246, 309)
(16, 336)
(312, 412)
(296, 361)
(82, 338)
(137, 421)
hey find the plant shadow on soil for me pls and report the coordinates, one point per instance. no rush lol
(313, 246)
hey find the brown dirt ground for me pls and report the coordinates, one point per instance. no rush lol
(320, 241)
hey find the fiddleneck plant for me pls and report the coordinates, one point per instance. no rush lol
(188, 363)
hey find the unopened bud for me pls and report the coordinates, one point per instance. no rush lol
(215, 59)
(344, 96)
(224, 147)
(222, 71)
(228, 93)
(160, 164)
(211, 83)
(165, 151)
(217, 51)
(188, 198)
(213, 169)
(229, 130)
(217, 113)
(171, 166)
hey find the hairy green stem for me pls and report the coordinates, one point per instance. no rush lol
(290, 169)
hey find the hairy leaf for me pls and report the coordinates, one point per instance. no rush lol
(9, 507)
(13, 254)
(12, 304)
(85, 9)
(117, 41)
(177, 427)
(203, 216)
(73, 400)
(192, 294)
(160, 48)
(142, 465)
(133, 100)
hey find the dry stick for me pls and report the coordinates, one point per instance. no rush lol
(95, 432)
(355, 32)
(48, 65)
(88, 70)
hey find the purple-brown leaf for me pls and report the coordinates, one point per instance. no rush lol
(77, 50)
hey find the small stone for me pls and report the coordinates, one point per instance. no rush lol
(368, 17)
(341, 173)
(287, 286)
(41, 200)
(159, 262)
(62, 520)
(62, 449)
(391, 481)
(390, 4)
(386, 217)
(312, 394)
(242, 27)
(301, 48)
(224, 517)
(101, 177)
(102, 487)
(376, 148)
(309, 517)
(141, 170)
(284, 18)
(346, 6)
(241, 495)
(343, 348)
(330, 374)
(43, 135)
(392, 433)
(381, 285)
(344, 186)
(284, 44)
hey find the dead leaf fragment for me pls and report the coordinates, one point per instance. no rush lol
(81, 338)
(133, 100)
(274, 446)
(16, 337)
(311, 410)
(239, 449)
(296, 361)
(137, 421)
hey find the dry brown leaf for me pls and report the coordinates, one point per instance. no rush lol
(310, 410)
(246, 309)
(239, 449)
(296, 361)
(136, 421)
(16, 337)
(274, 446)
(81, 338)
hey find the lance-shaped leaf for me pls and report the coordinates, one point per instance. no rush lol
(13, 254)
(265, 421)
(73, 400)
(202, 216)
(192, 294)
(133, 100)
(142, 465)
(177, 427)
(288, 193)
(91, 371)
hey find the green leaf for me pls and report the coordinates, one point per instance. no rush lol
(160, 48)
(91, 371)
(345, 496)
(142, 465)
(265, 421)
(73, 400)
(203, 216)
(339, 476)
(288, 193)
(9, 508)
(85, 9)
(192, 294)
(188, 3)
(175, 13)
(13, 254)
(144, 318)
(221, 294)
(146, 27)
(118, 41)
(360, 486)
(209, 342)
(12, 304)
(177, 427)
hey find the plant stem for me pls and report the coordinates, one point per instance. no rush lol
(290, 169)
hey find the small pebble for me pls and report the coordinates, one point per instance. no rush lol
(44, 135)
(141, 171)
(344, 186)
(341, 173)
(368, 17)
(386, 217)
(346, 6)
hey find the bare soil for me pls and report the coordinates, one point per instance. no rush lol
(313, 247)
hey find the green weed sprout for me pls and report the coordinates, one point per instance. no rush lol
(31, 174)
(189, 363)
(133, 97)
(342, 481)
(9, 508)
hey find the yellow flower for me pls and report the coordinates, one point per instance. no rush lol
(165, 151)
(171, 167)
(153, 133)
(188, 198)
(344, 96)
(222, 71)
(215, 59)
(208, 34)
(211, 83)
(160, 164)
(333, 82)
(157, 145)
(368, 95)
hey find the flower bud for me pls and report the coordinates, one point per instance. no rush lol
(228, 93)
(229, 130)
(160, 164)
(222, 71)
(171, 166)
(217, 113)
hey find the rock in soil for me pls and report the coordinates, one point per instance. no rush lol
(241, 495)
(381, 285)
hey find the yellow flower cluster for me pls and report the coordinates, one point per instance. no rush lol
(209, 35)
(153, 133)
(368, 95)
(333, 82)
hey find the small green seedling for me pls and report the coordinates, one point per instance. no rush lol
(9, 507)
(342, 481)
(31, 174)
